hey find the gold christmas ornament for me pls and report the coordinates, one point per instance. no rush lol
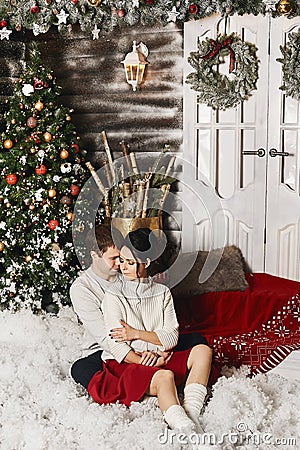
(94, 2)
(70, 216)
(55, 247)
(33, 150)
(8, 143)
(64, 154)
(2, 246)
(52, 193)
(28, 258)
(39, 105)
(68, 118)
(13, 121)
(284, 7)
(8, 205)
(11, 294)
(31, 207)
(47, 136)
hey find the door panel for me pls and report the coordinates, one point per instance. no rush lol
(215, 142)
(283, 205)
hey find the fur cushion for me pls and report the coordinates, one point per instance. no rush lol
(224, 271)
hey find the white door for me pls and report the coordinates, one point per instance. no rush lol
(223, 146)
(283, 182)
(258, 194)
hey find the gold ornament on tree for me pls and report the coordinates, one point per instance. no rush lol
(47, 136)
(52, 193)
(70, 216)
(39, 105)
(94, 2)
(28, 258)
(8, 143)
(284, 7)
(64, 154)
(2, 246)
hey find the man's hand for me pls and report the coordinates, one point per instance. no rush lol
(163, 358)
(124, 333)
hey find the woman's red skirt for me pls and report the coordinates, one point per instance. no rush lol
(126, 383)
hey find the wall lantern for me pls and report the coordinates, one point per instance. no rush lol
(135, 63)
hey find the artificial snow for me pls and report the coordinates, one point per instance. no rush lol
(43, 409)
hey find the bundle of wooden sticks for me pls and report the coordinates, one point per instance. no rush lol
(126, 192)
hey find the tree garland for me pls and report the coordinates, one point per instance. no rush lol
(291, 66)
(103, 16)
(215, 89)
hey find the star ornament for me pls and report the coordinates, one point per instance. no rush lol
(4, 33)
(62, 16)
(95, 32)
(172, 15)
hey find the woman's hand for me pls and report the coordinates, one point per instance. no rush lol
(124, 333)
(148, 358)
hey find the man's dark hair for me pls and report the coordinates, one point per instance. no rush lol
(99, 239)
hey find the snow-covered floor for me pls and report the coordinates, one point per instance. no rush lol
(42, 409)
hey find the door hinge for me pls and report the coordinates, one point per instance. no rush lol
(265, 235)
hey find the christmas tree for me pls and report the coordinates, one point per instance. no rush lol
(41, 176)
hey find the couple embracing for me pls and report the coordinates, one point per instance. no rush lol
(135, 350)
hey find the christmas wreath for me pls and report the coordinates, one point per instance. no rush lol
(291, 66)
(218, 90)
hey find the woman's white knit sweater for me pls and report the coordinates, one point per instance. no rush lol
(144, 305)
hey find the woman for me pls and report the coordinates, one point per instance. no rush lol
(140, 360)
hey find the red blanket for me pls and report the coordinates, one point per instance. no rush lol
(258, 327)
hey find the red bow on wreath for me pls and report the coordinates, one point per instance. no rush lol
(216, 46)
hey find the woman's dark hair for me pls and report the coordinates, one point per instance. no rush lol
(144, 243)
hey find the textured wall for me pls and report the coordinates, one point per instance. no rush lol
(93, 84)
(93, 81)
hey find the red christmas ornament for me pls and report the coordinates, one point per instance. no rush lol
(193, 8)
(121, 12)
(148, 2)
(38, 84)
(11, 178)
(34, 9)
(75, 147)
(74, 189)
(3, 23)
(41, 170)
(35, 138)
(31, 122)
(52, 224)
(74, 2)
(65, 200)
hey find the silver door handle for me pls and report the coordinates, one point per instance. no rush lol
(273, 152)
(260, 152)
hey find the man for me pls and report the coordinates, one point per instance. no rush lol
(87, 293)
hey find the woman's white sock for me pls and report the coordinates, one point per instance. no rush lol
(176, 418)
(194, 396)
